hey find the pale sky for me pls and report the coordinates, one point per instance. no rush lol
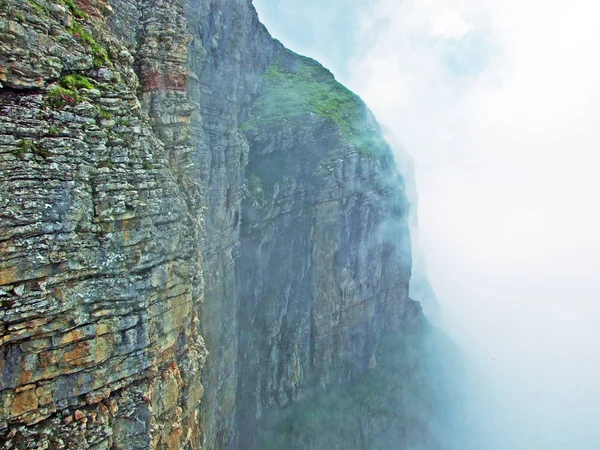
(498, 103)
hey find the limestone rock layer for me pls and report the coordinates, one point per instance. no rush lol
(198, 227)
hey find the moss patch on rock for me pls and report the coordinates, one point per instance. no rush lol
(76, 81)
(59, 97)
(99, 53)
(66, 93)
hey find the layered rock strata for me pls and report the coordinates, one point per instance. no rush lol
(197, 226)
(100, 268)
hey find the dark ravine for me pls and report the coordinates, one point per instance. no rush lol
(202, 234)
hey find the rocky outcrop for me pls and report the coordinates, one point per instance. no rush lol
(100, 267)
(198, 228)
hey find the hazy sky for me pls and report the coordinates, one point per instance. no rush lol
(498, 102)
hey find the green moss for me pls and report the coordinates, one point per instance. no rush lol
(294, 86)
(104, 114)
(75, 10)
(99, 53)
(59, 97)
(123, 122)
(28, 146)
(77, 30)
(53, 131)
(20, 17)
(76, 81)
(100, 56)
(147, 165)
(67, 93)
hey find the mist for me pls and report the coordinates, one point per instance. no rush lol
(498, 104)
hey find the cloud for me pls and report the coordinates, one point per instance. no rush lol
(449, 24)
(499, 104)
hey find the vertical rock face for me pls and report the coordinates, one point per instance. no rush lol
(100, 263)
(228, 49)
(197, 227)
(325, 258)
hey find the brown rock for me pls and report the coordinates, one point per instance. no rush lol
(24, 402)
(7, 275)
(112, 406)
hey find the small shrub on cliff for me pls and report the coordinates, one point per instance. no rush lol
(256, 190)
(24, 146)
(60, 97)
(76, 81)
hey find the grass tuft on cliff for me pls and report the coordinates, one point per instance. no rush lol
(76, 81)
(28, 146)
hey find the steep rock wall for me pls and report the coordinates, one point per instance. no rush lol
(227, 51)
(325, 258)
(100, 267)
(175, 181)
(280, 324)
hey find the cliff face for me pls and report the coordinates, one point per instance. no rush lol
(325, 258)
(198, 228)
(101, 272)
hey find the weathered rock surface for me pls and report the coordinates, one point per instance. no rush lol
(100, 264)
(197, 227)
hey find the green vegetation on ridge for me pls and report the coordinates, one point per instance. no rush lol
(294, 86)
